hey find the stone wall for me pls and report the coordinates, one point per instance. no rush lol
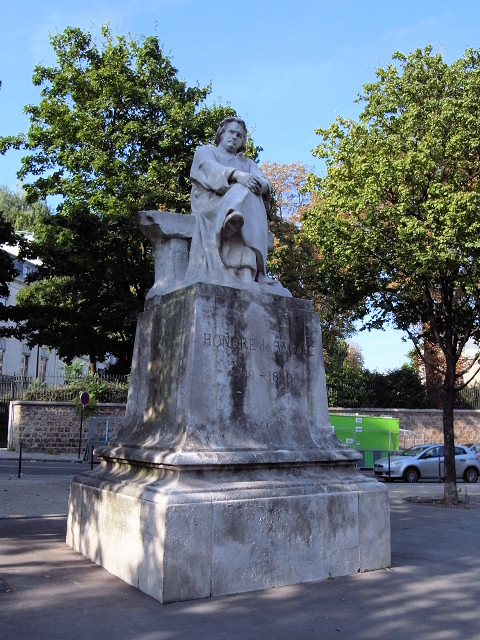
(54, 427)
(418, 426)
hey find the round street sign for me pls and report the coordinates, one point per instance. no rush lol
(84, 398)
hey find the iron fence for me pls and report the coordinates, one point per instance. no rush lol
(58, 388)
(380, 397)
(109, 388)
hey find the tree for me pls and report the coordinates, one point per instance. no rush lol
(397, 221)
(355, 356)
(294, 259)
(86, 294)
(7, 265)
(18, 212)
(114, 133)
(429, 365)
(288, 182)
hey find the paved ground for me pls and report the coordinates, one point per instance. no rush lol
(432, 591)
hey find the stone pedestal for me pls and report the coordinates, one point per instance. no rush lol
(226, 476)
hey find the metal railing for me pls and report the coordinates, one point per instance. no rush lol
(378, 397)
(60, 389)
(109, 388)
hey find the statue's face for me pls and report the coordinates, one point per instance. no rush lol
(232, 137)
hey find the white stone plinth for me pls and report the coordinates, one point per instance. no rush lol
(226, 476)
(181, 540)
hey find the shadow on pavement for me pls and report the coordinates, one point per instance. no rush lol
(47, 591)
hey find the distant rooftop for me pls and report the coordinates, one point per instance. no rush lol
(14, 249)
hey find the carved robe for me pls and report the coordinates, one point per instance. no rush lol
(213, 197)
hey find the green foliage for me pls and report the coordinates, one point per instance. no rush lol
(18, 212)
(360, 388)
(73, 371)
(88, 290)
(114, 133)
(99, 389)
(7, 266)
(397, 221)
(399, 388)
(350, 385)
(294, 259)
(115, 128)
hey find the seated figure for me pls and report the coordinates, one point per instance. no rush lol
(229, 198)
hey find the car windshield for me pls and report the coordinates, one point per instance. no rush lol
(414, 451)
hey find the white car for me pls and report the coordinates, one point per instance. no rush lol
(427, 462)
(475, 448)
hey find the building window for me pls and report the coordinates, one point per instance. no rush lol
(24, 361)
(24, 365)
(42, 370)
(27, 269)
(3, 346)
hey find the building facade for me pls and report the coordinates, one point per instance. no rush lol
(17, 359)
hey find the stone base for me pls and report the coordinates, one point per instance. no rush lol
(226, 476)
(186, 535)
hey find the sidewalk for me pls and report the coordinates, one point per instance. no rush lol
(40, 457)
(35, 495)
(432, 591)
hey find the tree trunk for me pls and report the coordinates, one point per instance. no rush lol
(450, 486)
(92, 365)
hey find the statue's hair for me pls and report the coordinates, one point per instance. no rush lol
(223, 125)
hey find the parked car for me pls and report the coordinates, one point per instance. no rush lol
(427, 462)
(476, 449)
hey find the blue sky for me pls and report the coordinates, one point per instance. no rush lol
(286, 67)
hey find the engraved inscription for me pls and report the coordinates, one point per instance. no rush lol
(242, 374)
(251, 343)
(234, 343)
(294, 348)
(265, 370)
(278, 378)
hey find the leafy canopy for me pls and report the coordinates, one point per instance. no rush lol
(115, 128)
(294, 259)
(18, 212)
(8, 270)
(114, 133)
(397, 221)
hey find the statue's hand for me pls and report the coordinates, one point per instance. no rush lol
(248, 180)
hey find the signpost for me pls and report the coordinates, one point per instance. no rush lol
(84, 400)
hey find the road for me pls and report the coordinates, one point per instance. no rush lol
(29, 468)
(431, 592)
(41, 490)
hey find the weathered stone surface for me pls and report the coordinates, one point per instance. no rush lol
(170, 235)
(193, 534)
(222, 375)
(226, 476)
(229, 198)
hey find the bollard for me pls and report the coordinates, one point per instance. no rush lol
(80, 431)
(84, 400)
(20, 461)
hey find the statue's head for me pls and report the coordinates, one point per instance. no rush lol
(224, 124)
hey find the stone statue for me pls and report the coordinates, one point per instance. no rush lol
(225, 476)
(229, 198)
